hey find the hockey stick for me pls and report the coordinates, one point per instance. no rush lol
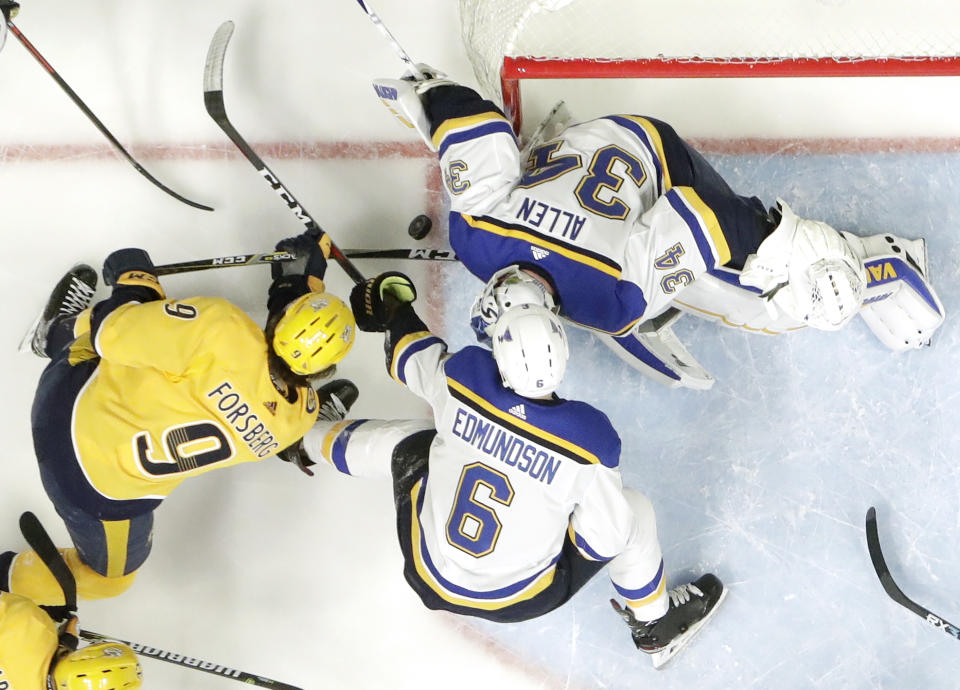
(95, 120)
(392, 41)
(279, 257)
(40, 542)
(191, 662)
(886, 579)
(213, 100)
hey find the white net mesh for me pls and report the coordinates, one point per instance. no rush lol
(744, 29)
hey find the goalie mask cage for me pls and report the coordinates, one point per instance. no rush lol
(512, 40)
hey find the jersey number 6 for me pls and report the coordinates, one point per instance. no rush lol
(473, 527)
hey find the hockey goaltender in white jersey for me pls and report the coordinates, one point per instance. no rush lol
(508, 503)
(629, 225)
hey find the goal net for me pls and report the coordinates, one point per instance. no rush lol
(511, 41)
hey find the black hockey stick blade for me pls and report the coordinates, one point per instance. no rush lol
(95, 120)
(191, 662)
(213, 101)
(40, 541)
(891, 588)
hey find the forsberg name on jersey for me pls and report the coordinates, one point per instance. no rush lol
(498, 443)
(236, 412)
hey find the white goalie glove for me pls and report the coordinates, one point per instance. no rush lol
(808, 271)
(403, 98)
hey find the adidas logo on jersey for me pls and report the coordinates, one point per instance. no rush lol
(539, 253)
(519, 411)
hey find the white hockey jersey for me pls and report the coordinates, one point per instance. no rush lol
(595, 209)
(509, 479)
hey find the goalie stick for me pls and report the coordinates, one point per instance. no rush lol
(94, 119)
(401, 53)
(277, 257)
(191, 662)
(886, 579)
(213, 100)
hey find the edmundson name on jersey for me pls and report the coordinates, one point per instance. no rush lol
(236, 412)
(498, 443)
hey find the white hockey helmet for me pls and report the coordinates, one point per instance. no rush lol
(530, 348)
(507, 288)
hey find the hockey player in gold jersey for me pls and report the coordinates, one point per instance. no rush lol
(35, 652)
(144, 391)
(39, 647)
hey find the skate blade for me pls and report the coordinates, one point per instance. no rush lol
(26, 344)
(662, 657)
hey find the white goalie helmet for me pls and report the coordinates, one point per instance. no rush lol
(531, 351)
(507, 288)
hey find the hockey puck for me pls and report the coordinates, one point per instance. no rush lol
(420, 227)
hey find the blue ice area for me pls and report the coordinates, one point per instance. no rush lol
(765, 479)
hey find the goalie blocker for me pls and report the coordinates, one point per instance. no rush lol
(403, 98)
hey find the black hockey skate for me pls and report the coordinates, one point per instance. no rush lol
(336, 399)
(72, 295)
(691, 606)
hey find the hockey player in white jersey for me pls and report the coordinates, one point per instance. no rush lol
(510, 499)
(628, 226)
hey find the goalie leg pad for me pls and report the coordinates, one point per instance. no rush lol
(654, 350)
(900, 304)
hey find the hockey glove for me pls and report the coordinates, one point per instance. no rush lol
(375, 300)
(68, 637)
(131, 267)
(312, 249)
(296, 454)
(10, 10)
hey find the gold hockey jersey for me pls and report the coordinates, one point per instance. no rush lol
(182, 387)
(28, 640)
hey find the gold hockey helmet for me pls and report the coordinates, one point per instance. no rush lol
(104, 666)
(315, 331)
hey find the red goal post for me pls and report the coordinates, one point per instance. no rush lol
(509, 41)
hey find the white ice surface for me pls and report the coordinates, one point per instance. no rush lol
(764, 480)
